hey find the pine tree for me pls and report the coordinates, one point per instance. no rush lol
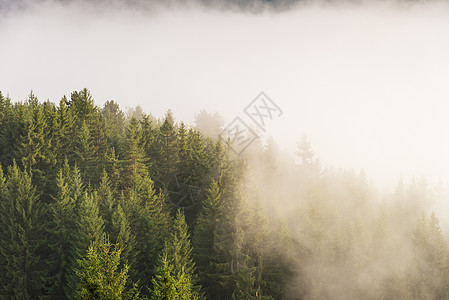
(76, 187)
(149, 219)
(198, 164)
(184, 287)
(101, 274)
(169, 152)
(34, 141)
(64, 237)
(82, 105)
(164, 284)
(106, 202)
(133, 166)
(90, 224)
(152, 231)
(179, 253)
(203, 240)
(433, 259)
(84, 153)
(122, 233)
(100, 147)
(65, 138)
(6, 116)
(167, 285)
(3, 230)
(36, 155)
(22, 219)
(114, 124)
(304, 150)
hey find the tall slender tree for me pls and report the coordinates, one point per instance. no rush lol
(24, 275)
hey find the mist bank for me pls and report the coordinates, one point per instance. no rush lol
(366, 82)
(248, 225)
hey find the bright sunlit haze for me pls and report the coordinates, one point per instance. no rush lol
(343, 196)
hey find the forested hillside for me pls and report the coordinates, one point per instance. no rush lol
(99, 204)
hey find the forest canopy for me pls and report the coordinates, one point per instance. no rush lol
(100, 204)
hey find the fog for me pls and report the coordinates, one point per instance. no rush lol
(367, 82)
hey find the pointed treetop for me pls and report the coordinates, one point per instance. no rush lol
(304, 150)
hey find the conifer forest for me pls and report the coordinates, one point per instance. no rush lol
(96, 203)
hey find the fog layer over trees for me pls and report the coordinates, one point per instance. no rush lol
(99, 204)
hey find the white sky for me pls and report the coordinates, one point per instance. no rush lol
(368, 84)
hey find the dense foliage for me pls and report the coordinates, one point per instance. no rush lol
(99, 204)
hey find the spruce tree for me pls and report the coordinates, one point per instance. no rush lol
(6, 116)
(22, 219)
(204, 252)
(149, 220)
(164, 283)
(101, 274)
(133, 165)
(114, 123)
(64, 237)
(169, 151)
(179, 254)
(121, 232)
(106, 202)
(90, 223)
(3, 230)
(84, 153)
(65, 137)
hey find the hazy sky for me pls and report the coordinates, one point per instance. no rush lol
(368, 83)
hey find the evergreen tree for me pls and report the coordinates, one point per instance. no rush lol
(3, 231)
(179, 253)
(65, 138)
(114, 123)
(24, 275)
(149, 220)
(106, 202)
(122, 233)
(431, 270)
(168, 150)
(100, 147)
(133, 166)
(203, 240)
(101, 274)
(6, 120)
(304, 150)
(164, 284)
(82, 105)
(84, 153)
(63, 232)
(90, 224)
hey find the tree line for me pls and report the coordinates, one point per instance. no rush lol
(99, 204)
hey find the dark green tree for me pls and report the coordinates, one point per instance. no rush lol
(64, 237)
(24, 275)
(90, 223)
(179, 253)
(204, 252)
(133, 165)
(114, 124)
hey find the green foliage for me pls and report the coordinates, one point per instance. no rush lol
(101, 275)
(179, 254)
(192, 219)
(90, 224)
(63, 230)
(24, 274)
(166, 286)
